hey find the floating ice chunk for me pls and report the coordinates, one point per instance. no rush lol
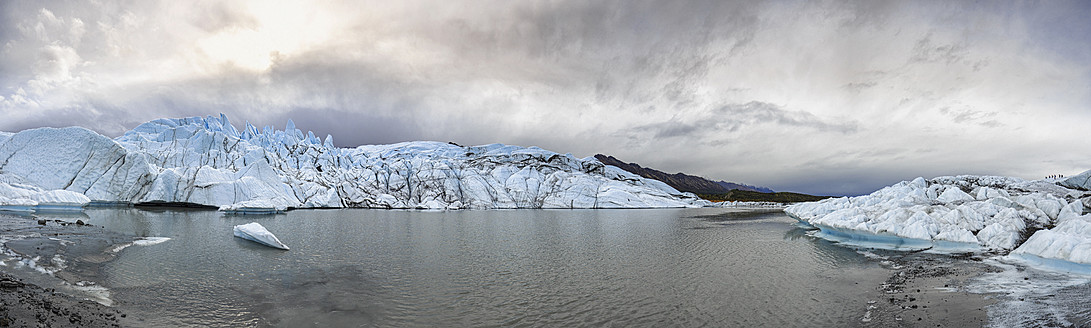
(148, 241)
(255, 232)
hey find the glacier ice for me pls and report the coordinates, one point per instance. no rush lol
(1069, 241)
(255, 232)
(25, 198)
(958, 213)
(207, 161)
(1081, 181)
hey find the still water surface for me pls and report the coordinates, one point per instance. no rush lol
(677, 267)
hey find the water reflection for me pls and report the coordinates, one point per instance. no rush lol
(486, 268)
(741, 215)
(797, 233)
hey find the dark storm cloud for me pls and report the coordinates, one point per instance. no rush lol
(759, 112)
(731, 118)
(848, 95)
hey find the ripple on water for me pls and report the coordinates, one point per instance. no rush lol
(688, 267)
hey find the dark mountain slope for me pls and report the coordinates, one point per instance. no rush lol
(680, 181)
(753, 196)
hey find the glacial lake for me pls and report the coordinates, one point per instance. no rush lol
(389, 268)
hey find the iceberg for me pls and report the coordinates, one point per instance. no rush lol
(1038, 221)
(256, 233)
(207, 161)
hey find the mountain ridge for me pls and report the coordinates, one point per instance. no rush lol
(681, 181)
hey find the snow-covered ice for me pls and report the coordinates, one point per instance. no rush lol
(28, 198)
(208, 161)
(1033, 220)
(1069, 241)
(253, 231)
(1081, 181)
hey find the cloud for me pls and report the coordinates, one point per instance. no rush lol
(781, 93)
(927, 51)
(984, 118)
(730, 119)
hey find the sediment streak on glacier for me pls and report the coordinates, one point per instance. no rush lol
(208, 161)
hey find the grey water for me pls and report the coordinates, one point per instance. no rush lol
(386, 268)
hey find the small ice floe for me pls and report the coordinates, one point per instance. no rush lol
(57, 263)
(255, 232)
(95, 292)
(873, 256)
(146, 241)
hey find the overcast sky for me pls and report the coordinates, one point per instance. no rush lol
(825, 97)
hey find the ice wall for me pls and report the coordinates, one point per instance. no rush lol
(208, 161)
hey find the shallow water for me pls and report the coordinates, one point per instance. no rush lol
(678, 267)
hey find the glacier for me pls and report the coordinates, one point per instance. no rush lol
(1043, 222)
(208, 161)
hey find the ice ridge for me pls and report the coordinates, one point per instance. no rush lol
(207, 161)
(1031, 220)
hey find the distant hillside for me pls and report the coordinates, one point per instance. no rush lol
(681, 181)
(752, 196)
(735, 186)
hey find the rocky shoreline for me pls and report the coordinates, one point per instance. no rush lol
(27, 305)
(972, 290)
(71, 252)
(929, 290)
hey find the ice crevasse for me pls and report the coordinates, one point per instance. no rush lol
(1042, 221)
(208, 161)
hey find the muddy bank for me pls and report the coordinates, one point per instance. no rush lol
(51, 268)
(28, 305)
(928, 290)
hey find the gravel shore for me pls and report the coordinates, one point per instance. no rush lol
(72, 252)
(27, 305)
(927, 290)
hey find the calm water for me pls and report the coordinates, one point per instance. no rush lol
(684, 267)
